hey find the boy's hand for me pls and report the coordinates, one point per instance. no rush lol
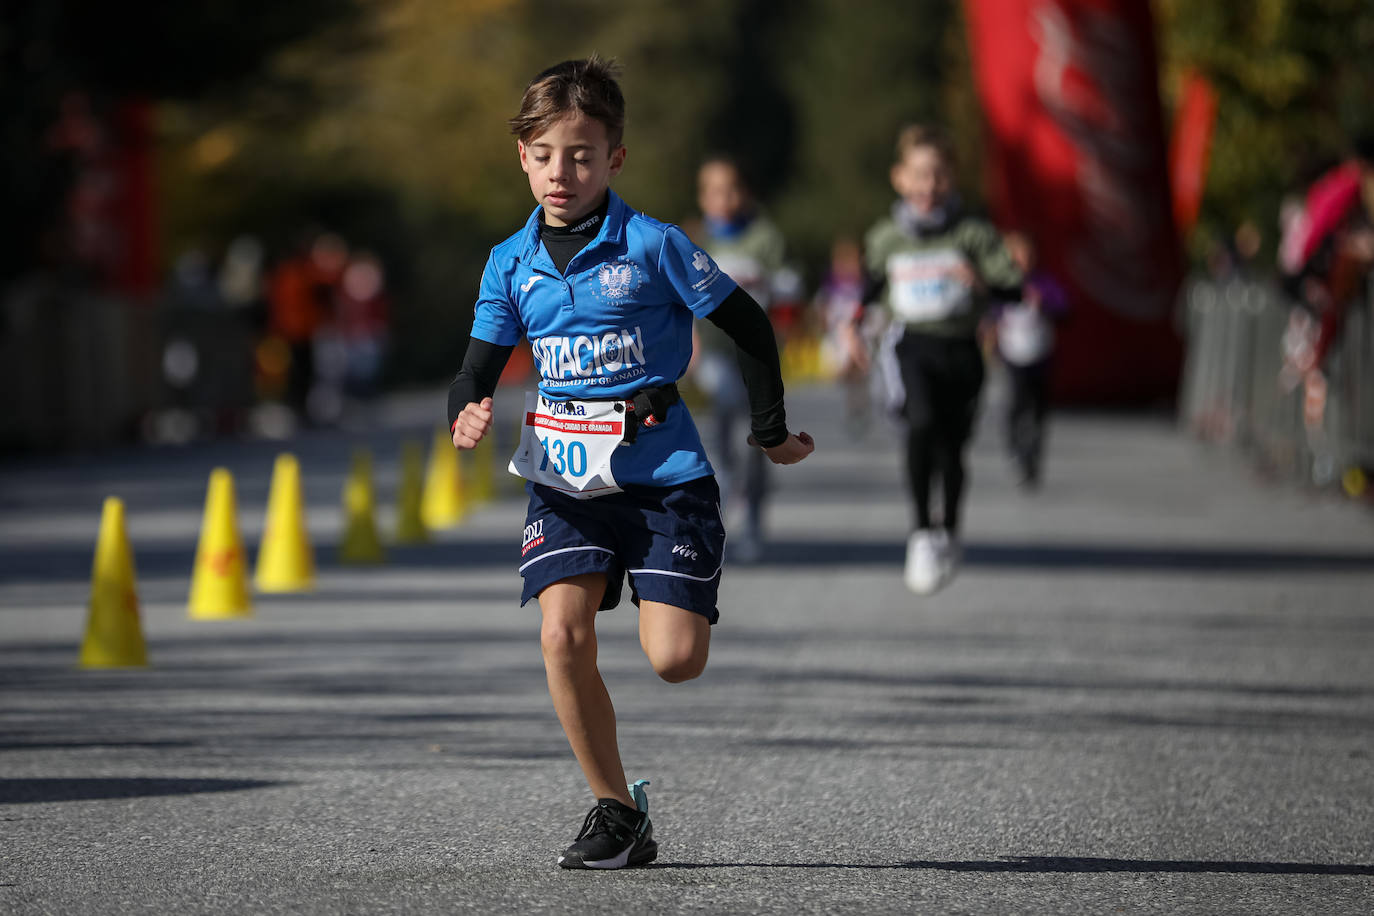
(855, 348)
(966, 276)
(793, 449)
(472, 425)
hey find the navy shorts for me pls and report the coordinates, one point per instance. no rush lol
(670, 540)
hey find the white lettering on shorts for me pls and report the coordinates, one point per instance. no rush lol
(684, 550)
(534, 536)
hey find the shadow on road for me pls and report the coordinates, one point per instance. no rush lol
(1077, 556)
(30, 791)
(1067, 865)
(72, 563)
(1066, 557)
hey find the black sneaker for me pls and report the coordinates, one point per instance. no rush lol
(613, 836)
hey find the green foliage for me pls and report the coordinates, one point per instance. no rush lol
(1294, 80)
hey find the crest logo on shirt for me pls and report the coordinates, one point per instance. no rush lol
(618, 279)
(700, 261)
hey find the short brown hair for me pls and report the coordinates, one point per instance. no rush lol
(587, 85)
(913, 136)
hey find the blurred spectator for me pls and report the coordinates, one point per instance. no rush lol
(1024, 333)
(364, 314)
(240, 278)
(1325, 258)
(300, 302)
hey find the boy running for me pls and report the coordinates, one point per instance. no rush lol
(618, 480)
(935, 267)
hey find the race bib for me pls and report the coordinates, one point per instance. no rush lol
(926, 285)
(1024, 335)
(567, 445)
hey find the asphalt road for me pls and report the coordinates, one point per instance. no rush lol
(1150, 691)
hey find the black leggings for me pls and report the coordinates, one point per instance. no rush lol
(1030, 401)
(942, 377)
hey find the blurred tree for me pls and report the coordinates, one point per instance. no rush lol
(855, 75)
(148, 49)
(1294, 80)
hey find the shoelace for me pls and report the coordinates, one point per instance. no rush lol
(604, 820)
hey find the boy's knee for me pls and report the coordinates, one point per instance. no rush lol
(678, 665)
(920, 430)
(563, 641)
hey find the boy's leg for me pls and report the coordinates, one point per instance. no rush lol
(1039, 407)
(677, 641)
(956, 413)
(919, 410)
(580, 698)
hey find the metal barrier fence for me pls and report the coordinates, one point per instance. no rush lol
(1240, 385)
(82, 370)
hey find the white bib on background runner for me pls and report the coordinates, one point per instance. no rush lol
(926, 285)
(1024, 334)
(567, 445)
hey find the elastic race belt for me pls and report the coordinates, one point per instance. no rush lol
(646, 407)
(649, 407)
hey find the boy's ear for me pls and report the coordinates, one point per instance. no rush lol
(895, 176)
(617, 159)
(524, 163)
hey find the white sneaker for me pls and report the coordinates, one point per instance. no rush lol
(950, 553)
(922, 571)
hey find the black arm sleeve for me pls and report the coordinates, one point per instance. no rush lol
(874, 285)
(741, 317)
(482, 365)
(1007, 293)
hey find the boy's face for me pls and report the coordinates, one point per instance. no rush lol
(923, 178)
(570, 166)
(721, 194)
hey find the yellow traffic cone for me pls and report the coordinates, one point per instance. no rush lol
(484, 488)
(286, 562)
(811, 361)
(511, 484)
(410, 527)
(219, 582)
(114, 633)
(442, 504)
(360, 543)
(789, 361)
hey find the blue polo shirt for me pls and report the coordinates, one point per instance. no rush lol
(618, 321)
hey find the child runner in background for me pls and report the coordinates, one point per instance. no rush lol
(934, 267)
(1025, 342)
(618, 481)
(749, 249)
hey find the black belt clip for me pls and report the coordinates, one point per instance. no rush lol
(648, 407)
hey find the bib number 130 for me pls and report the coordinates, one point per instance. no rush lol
(568, 458)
